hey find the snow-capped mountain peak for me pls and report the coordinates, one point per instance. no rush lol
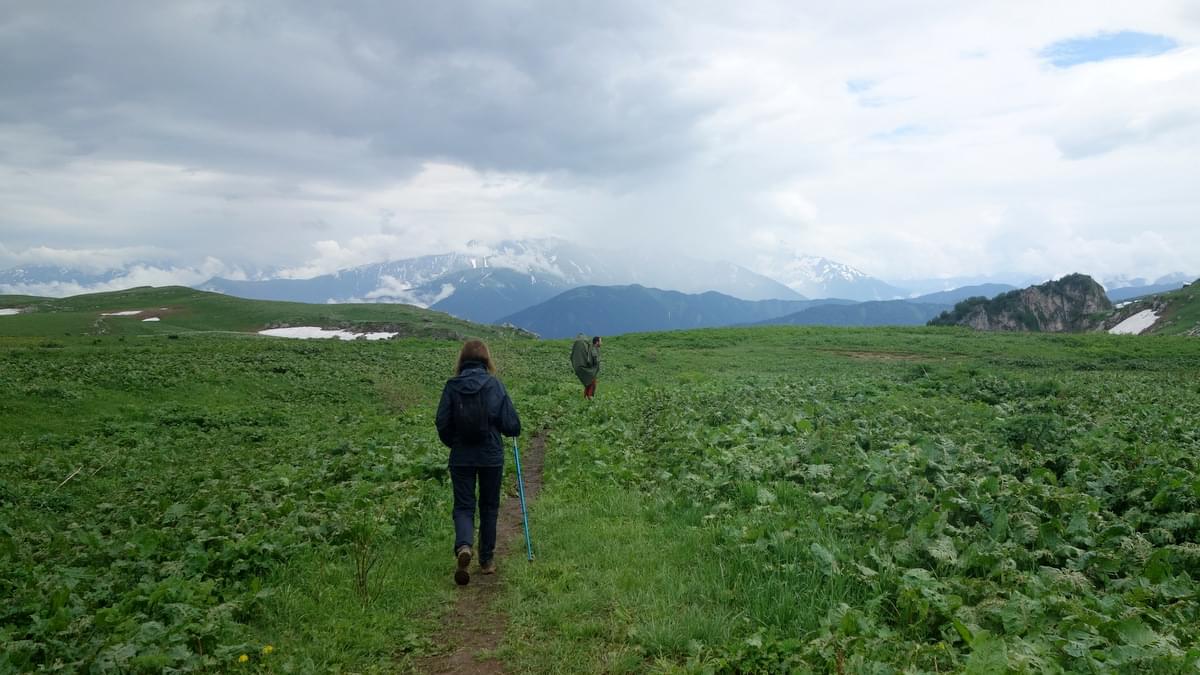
(817, 277)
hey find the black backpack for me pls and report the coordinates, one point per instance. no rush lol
(472, 423)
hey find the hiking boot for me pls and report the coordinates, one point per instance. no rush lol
(488, 567)
(461, 576)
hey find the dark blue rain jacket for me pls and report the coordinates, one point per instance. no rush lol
(476, 388)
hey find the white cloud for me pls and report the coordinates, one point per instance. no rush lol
(441, 208)
(1141, 100)
(112, 272)
(86, 260)
(915, 139)
(793, 205)
(393, 290)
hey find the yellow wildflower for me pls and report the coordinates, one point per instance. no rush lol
(268, 649)
(243, 658)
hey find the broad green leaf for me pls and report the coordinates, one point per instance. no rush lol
(825, 559)
(989, 655)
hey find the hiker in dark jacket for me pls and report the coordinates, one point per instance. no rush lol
(585, 359)
(475, 409)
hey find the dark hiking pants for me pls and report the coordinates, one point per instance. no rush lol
(464, 479)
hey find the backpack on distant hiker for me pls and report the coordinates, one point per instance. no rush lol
(584, 361)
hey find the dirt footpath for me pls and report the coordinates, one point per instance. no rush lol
(475, 626)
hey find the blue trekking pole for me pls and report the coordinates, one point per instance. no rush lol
(521, 491)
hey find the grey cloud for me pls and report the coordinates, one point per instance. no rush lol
(266, 86)
(261, 131)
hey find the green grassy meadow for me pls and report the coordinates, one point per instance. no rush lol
(736, 500)
(185, 310)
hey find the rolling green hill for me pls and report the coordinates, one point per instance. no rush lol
(185, 310)
(1183, 312)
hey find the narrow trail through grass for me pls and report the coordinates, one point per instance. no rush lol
(474, 627)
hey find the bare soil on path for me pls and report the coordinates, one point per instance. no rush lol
(474, 628)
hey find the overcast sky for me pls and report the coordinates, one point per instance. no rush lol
(913, 139)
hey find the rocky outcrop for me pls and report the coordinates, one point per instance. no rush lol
(1073, 303)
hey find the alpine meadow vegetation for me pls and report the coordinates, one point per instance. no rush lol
(774, 499)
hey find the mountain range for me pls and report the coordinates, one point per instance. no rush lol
(484, 283)
(962, 293)
(51, 280)
(481, 294)
(524, 282)
(612, 310)
(495, 281)
(873, 313)
(1131, 292)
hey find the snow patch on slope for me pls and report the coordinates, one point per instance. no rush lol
(314, 332)
(1136, 324)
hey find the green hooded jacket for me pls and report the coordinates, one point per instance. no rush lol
(585, 359)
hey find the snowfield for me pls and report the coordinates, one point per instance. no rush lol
(9, 311)
(313, 332)
(131, 312)
(153, 318)
(1135, 324)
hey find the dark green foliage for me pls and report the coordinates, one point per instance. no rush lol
(962, 310)
(153, 490)
(1003, 509)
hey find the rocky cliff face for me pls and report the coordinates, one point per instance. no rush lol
(1071, 304)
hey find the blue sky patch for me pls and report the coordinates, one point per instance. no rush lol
(901, 133)
(859, 86)
(1105, 46)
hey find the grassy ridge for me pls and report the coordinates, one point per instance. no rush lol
(1183, 311)
(735, 500)
(183, 309)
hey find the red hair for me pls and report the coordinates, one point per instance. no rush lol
(474, 350)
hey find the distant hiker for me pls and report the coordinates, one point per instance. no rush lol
(585, 359)
(475, 409)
